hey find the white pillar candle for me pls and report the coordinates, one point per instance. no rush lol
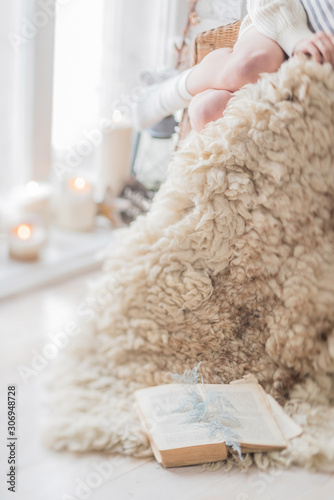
(26, 240)
(116, 154)
(75, 206)
(32, 198)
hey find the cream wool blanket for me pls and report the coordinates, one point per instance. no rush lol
(233, 266)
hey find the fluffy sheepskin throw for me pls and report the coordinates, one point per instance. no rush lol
(233, 266)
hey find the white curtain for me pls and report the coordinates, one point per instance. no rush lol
(7, 82)
(13, 96)
(137, 38)
(26, 64)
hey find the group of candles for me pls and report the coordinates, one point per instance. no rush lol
(74, 208)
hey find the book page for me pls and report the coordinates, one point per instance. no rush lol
(257, 426)
(166, 420)
(246, 379)
(256, 423)
(288, 426)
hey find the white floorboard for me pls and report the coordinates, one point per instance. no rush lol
(25, 322)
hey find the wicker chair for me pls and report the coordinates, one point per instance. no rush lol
(224, 36)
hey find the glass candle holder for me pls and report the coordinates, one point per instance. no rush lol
(26, 238)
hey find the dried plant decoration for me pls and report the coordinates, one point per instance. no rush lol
(208, 408)
(192, 20)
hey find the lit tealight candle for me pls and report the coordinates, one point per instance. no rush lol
(26, 241)
(32, 198)
(75, 206)
(79, 184)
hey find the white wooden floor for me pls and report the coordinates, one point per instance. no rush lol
(44, 475)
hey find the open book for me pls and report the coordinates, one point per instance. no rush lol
(257, 422)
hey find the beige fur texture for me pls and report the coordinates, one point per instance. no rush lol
(233, 266)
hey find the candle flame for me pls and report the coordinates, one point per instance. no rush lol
(23, 231)
(32, 188)
(79, 183)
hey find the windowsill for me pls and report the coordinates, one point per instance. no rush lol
(66, 254)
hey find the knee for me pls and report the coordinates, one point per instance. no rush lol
(260, 61)
(247, 69)
(217, 56)
(207, 106)
(199, 114)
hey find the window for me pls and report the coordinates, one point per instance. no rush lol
(66, 64)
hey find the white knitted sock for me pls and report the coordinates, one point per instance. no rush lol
(163, 100)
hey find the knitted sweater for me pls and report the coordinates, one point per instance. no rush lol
(284, 21)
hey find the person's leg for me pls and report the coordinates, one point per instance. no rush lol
(207, 106)
(222, 69)
(162, 101)
(227, 69)
(252, 55)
